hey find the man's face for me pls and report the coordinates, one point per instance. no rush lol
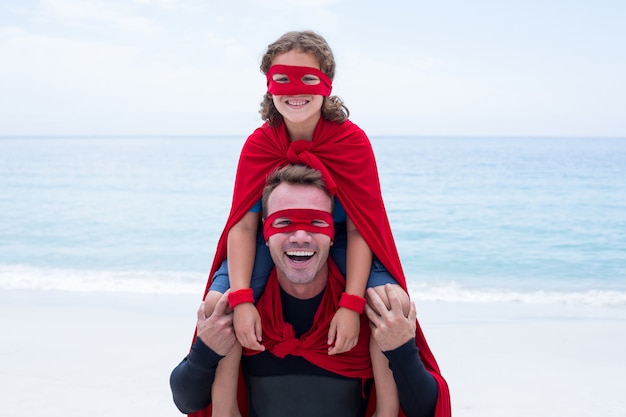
(299, 255)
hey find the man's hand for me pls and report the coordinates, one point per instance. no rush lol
(216, 331)
(345, 327)
(248, 326)
(390, 327)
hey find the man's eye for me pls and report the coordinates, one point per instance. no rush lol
(281, 223)
(280, 78)
(310, 79)
(320, 223)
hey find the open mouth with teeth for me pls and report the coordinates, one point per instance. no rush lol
(300, 255)
(296, 102)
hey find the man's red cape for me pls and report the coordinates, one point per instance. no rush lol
(344, 155)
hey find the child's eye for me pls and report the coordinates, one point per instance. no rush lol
(311, 79)
(280, 78)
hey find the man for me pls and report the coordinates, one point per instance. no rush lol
(294, 375)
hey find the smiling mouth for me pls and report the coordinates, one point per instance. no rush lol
(296, 103)
(300, 255)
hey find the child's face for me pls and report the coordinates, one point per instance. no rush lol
(302, 110)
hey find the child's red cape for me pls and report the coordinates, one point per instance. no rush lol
(280, 337)
(344, 155)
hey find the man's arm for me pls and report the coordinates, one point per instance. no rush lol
(417, 388)
(395, 335)
(192, 379)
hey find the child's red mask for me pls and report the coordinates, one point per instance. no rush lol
(293, 80)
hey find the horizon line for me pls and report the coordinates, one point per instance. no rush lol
(226, 135)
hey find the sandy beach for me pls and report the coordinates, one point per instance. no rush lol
(66, 354)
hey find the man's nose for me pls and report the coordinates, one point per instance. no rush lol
(300, 235)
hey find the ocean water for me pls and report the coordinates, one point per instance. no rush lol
(533, 220)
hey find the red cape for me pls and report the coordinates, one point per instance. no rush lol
(344, 155)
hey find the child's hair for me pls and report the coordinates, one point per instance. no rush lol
(308, 42)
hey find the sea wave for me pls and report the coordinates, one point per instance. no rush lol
(21, 277)
(455, 292)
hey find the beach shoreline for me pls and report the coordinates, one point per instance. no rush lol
(67, 353)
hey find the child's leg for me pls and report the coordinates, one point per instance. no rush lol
(387, 402)
(224, 390)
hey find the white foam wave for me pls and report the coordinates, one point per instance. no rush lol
(142, 282)
(454, 292)
(18, 277)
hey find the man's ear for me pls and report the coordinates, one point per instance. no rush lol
(267, 242)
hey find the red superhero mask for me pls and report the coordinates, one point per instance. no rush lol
(291, 81)
(291, 220)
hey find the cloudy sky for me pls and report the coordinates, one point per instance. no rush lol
(413, 67)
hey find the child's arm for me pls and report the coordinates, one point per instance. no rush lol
(241, 250)
(346, 322)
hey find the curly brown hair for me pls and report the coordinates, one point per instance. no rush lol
(333, 108)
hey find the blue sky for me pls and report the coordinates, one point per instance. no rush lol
(190, 67)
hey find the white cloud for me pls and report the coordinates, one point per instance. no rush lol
(10, 31)
(60, 84)
(95, 12)
(417, 87)
(99, 68)
(137, 58)
(280, 4)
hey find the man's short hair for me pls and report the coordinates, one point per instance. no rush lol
(295, 175)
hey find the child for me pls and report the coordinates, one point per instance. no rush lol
(304, 124)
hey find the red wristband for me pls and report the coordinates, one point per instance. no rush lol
(353, 302)
(244, 295)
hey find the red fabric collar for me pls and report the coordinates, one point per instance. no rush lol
(279, 337)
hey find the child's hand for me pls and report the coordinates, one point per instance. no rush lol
(247, 323)
(345, 327)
